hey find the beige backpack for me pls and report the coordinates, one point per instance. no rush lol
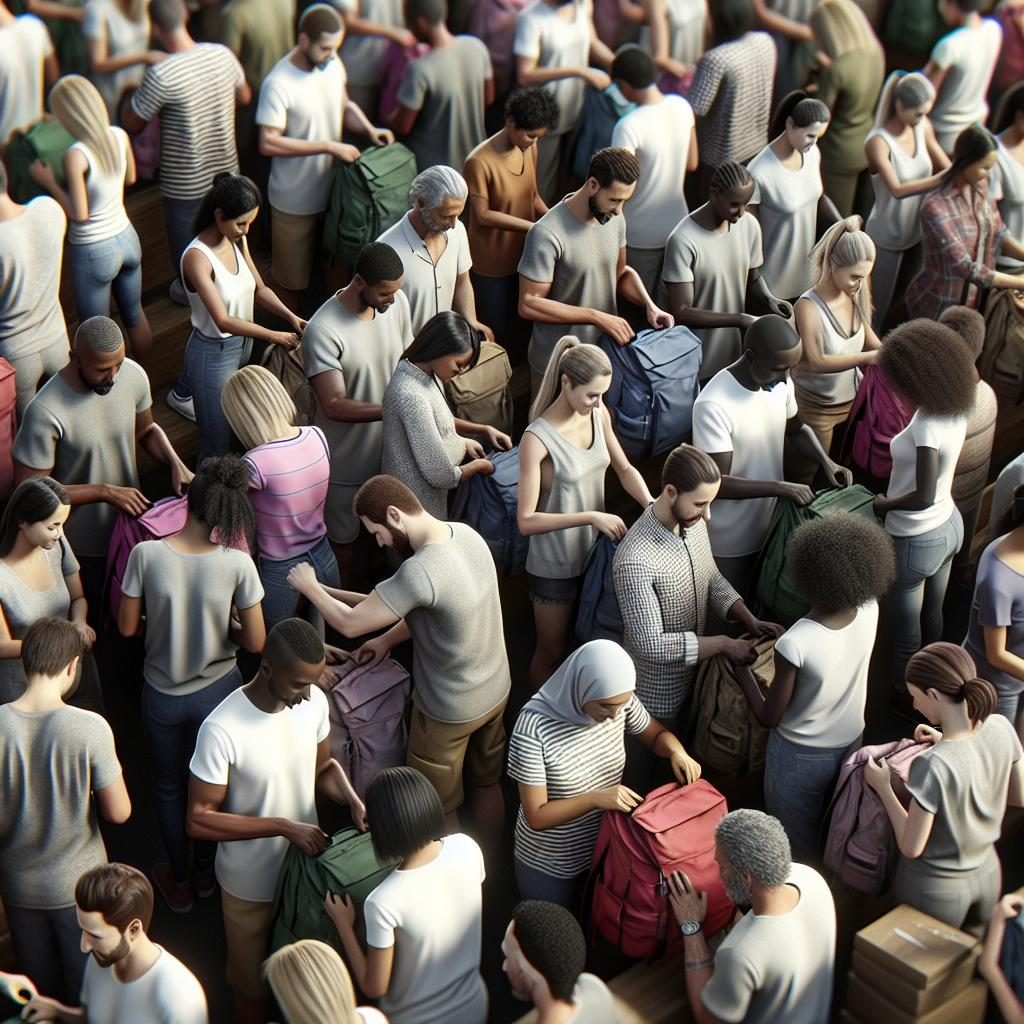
(484, 394)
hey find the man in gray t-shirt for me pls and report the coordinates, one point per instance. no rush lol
(445, 598)
(574, 263)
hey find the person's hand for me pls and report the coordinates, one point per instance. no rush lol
(337, 655)
(878, 775)
(127, 499)
(152, 57)
(299, 325)
(618, 798)
(780, 307)
(747, 320)
(497, 440)
(479, 467)
(310, 839)
(381, 136)
(599, 80)
(372, 652)
(739, 650)
(474, 449)
(927, 734)
(358, 809)
(181, 477)
(87, 633)
(19, 987)
(1008, 907)
(484, 330)
(799, 494)
(659, 319)
(341, 910)
(403, 37)
(343, 151)
(42, 174)
(286, 339)
(41, 1008)
(879, 506)
(871, 356)
(610, 525)
(838, 476)
(615, 327)
(767, 630)
(687, 903)
(302, 577)
(684, 768)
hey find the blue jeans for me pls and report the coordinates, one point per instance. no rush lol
(280, 601)
(171, 724)
(923, 564)
(534, 884)
(178, 217)
(798, 782)
(115, 264)
(209, 362)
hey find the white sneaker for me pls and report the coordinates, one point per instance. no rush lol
(182, 406)
(177, 293)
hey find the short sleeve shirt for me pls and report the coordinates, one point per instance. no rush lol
(24, 46)
(998, 602)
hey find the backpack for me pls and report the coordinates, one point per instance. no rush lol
(726, 735)
(286, 365)
(777, 594)
(484, 393)
(347, 867)
(861, 845)
(396, 60)
(877, 415)
(489, 505)
(599, 617)
(8, 426)
(47, 140)
(367, 197)
(367, 710)
(913, 26)
(654, 386)
(601, 112)
(672, 830)
(1002, 358)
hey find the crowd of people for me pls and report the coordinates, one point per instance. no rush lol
(828, 216)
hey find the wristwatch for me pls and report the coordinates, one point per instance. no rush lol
(690, 927)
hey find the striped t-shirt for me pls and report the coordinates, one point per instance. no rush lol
(569, 760)
(194, 94)
(289, 488)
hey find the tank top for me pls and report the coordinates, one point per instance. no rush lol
(832, 388)
(577, 485)
(237, 290)
(1011, 205)
(105, 192)
(896, 223)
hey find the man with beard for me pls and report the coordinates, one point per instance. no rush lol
(82, 428)
(444, 597)
(432, 243)
(574, 264)
(350, 349)
(778, 961)
(129, 979)
(261, 757)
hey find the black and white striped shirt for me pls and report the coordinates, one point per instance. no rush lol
(194, 94)
(569, 760)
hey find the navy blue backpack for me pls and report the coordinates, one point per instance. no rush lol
(600, 115)
(654, 386)
(599, 617)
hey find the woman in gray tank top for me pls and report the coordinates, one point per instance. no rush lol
(563, 457)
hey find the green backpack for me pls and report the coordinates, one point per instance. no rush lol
(47, 141)
(347, 866)
(367, 197)
(777, 595)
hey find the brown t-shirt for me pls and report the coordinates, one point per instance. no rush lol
(508, 181)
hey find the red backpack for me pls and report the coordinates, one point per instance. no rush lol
(672, 830)
(861, 846)
(878, 414)
(8, 426)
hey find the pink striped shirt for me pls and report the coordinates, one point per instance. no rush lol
(289, 489)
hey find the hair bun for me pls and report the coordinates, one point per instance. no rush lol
(227, 470)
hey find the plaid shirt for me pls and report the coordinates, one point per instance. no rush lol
(666, 583)
(961, 239)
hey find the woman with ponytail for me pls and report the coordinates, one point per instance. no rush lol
(563, 457)
(788, 195)
(960, 788)
(834, 322)
(995, 633)
(905, 160)
(201, 597)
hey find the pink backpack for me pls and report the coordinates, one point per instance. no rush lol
(878, 414)
(368, 719)
(494, 22)
(861, 846)
(396, 57)
(8, 426)
(672, 830)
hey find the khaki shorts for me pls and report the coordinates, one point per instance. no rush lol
(342, 522)
(450, 752)
(247, 929)
(296, 239)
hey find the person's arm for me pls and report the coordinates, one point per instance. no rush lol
(680, 304)
(273, 142)
(739, 487)
(332, 397)
(372, 969)
(879, 162)
(814, 359)
(997, 654)
(769, 710)
(152, 439)
(923, 494)
(772, 21)
(988, 963)
(74, 199)
(113, 803)
(266, 298)
(129, 499)
(629, 286)
(488, 218)
(78, 610)
(495, 438)
(464, 302)
(542, 813)
(334, 784)
(934, 72)
(664, 744)
(9, 647)
(57, 11)
(655, 14)
(535, 303)
(43, 1008)
(599, 53)
(940, 159)
(129, 616)
(250, 630)
(528, 73)
(629, 476)
(912, 828)
(356, 25)
(758, 286)
(100, 60)
(689, 904)
(805, 441)
(693, 153)
(368, 616)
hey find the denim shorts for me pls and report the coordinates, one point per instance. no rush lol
(544, 590)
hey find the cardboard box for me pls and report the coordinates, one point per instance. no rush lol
(966, 1007)
(915, 1001)
(915, 947)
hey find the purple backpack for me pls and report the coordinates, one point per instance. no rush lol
(368, 719)
(877, 415)
(861, 846)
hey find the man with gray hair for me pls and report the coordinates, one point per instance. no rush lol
(434, 248)
(778, 961)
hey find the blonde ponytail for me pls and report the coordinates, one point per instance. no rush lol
(578, 361)
(843, 245)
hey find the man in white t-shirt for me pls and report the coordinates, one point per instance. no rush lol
(261, 757)
(302, 111)
(129, 979)
(545, 953)
(662, 135)
(27, 63)
(742, 419)
(777, 963)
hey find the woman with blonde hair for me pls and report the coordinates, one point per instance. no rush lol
(848, 85)
(563, 456)
(312, 986)
(106, 255)
(289, 469)
(905, 160)
(834, 322)
(117, 35)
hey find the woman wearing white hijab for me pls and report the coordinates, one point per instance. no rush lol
(567, 753)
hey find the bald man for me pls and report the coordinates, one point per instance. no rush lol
(742, 419)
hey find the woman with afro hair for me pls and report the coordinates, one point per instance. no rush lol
(843, 565)
(933, 371)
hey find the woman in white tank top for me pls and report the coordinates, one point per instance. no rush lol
(905, 161)
(1009, 124)
(223, 284)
